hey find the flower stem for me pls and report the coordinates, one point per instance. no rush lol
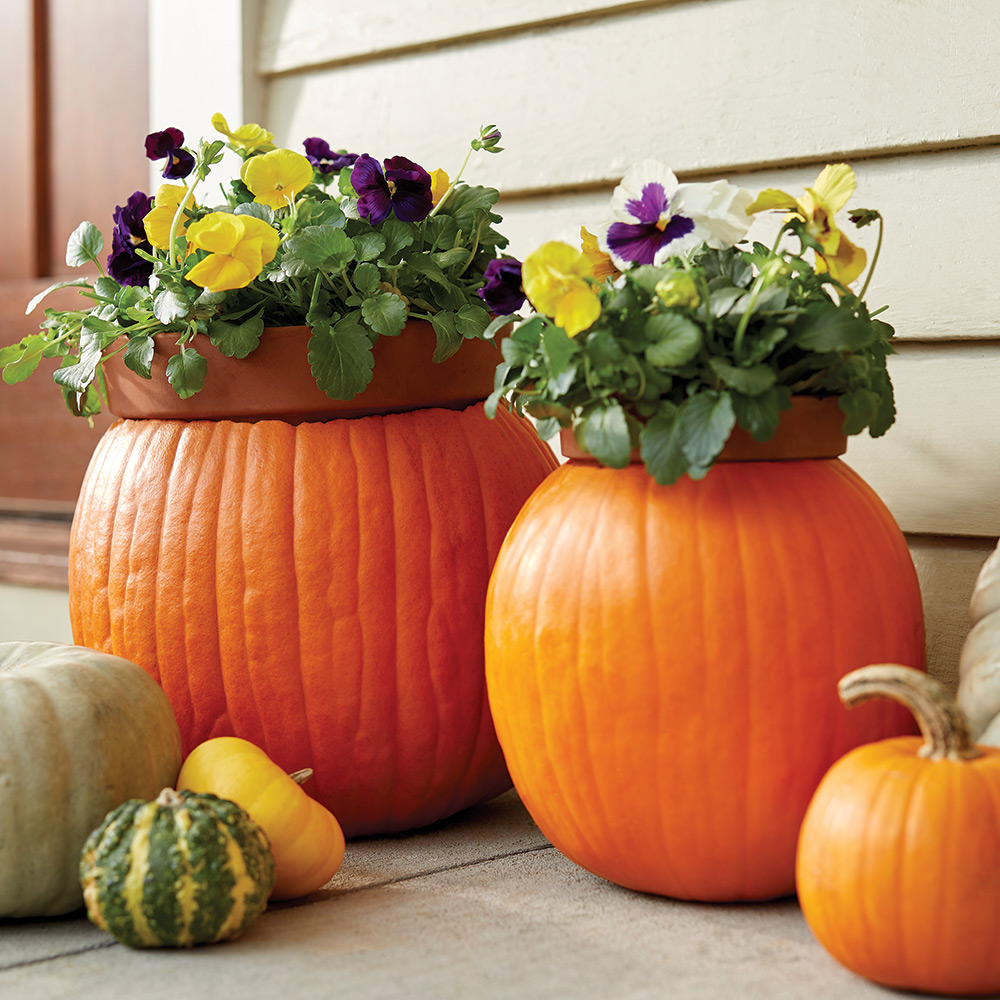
(871, 266)
(451, 187)
(175, 221)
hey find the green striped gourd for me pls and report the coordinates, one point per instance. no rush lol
(188, 868)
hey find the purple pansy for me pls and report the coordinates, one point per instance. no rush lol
(169, 143)
(654, 228)
(324, 159)
(124, 264)
(403, 187)
(503, 292)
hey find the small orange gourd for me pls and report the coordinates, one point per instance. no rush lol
(306, 839)
(898, 864)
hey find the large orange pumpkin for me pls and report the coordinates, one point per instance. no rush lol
(662, 662)
(317, 589)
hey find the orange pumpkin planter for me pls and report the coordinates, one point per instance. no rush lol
(899, 857)
(316, 588)
(662, 662)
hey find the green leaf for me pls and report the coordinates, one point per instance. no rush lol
(606, 436)
(750, 381)
(85, 243)
(398, 236)
(236, 340)
(860, 408)
(558, 348)
(341, 357)
(317, 248)
(660, 446)
(385, 314)
(758, 415)
(449, 340)
(448, 258)
(368, 246)
(78, 373)
(186, 372)
(366, 278)
(676, 340)
(706, 421)
(257, 210)
(76, 282)
(497, 324)
(138, 355)
(471, 320)
(826, 329)
(26, 356)
(170, 307)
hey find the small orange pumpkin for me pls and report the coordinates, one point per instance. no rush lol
(898, 865)
(306, 839)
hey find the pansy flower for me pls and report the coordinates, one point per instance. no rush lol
(440, 182)
(250, 138)
(324, 159)
(828, 195)
(277, 177)
(602, 264)
(556, 281)
(503, 292)
(160, 217)
(239, 246)
(170, 144)
(129, 235)
(402, 187)
(656, 217)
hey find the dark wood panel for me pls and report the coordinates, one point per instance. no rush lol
(98, 114)
(75, 114)
(19, 256)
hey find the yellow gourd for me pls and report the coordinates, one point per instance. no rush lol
(306, 839)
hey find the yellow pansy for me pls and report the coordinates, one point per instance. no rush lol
(555, 281)
(828, 195)
(276, 178)
(602, 264)
(250, 137)
(160, 217)
(239, 246)
(440, 182)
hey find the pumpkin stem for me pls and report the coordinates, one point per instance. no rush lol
(301, 777)
(168, 797)
(942, 722)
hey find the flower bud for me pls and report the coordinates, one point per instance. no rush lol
(678, 289)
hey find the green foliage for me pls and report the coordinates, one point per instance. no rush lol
(352, 282)
(674, 380)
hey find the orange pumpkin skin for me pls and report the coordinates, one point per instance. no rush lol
(662, 663)
(317, 589)
(899, 868)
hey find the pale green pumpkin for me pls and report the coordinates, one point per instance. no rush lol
(80, 733)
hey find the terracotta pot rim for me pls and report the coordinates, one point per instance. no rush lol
(811, 429)
(275, 382)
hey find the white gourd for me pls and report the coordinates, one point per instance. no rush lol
(979, 663)
(80, 733)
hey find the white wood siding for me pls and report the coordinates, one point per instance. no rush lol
(764, 92)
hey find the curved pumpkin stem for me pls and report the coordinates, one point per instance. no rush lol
(942, 722)
(301, 777)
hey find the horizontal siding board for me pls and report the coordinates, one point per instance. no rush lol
(938, 467)
(298, 33)
(933, 271)
(705, 86)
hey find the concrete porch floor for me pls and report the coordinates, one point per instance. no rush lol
(480, 906)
